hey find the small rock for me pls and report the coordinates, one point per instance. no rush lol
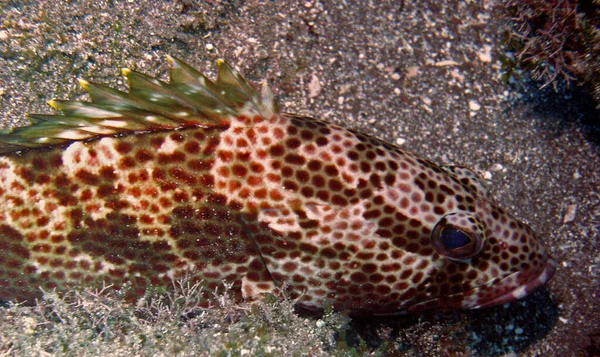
(412, 71)
(570, 213)
(456, 74)
(446, 63)
(497, 167)
(485, 55)
(474, 106)
(314, 87)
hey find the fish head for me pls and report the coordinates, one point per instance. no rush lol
(483, 257)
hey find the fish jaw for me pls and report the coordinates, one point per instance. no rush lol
(499, 291)
(520, 291)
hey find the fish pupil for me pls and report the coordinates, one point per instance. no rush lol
(453, 238)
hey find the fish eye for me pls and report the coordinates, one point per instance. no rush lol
(458, 236)
(453, 238)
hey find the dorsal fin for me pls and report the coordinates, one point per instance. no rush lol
(189, 99)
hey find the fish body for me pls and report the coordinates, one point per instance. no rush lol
(209, 180)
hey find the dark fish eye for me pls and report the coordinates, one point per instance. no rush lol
(458, 236)
(453, 238)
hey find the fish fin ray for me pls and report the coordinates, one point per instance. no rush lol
(188, 99)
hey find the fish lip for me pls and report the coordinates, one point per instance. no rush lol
(459, 301)
(525, 289)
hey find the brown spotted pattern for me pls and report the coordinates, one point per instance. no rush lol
(262, 203)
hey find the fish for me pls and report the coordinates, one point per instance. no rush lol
(209, 180)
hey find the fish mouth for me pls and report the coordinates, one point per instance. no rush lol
(500, 291)
(524, 289)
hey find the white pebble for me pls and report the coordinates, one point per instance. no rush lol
(485, 55)
(497, 167)
(314, 86)
(474, 106)
(570, 213)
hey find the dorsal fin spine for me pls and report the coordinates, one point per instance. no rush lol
(189, 99)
